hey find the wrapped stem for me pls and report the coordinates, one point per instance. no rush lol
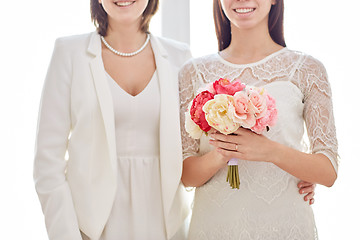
(233, 174)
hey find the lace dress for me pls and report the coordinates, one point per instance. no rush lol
(267, 205)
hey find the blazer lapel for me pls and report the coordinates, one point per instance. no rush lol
(104, 95)
(170, 137)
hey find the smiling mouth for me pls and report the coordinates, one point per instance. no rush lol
(124, 4)
(244, 10)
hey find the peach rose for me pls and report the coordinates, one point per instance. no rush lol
(240, 112)
(257, 101)
(217, 114)
(270, 117)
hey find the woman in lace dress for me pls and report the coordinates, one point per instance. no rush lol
(267, 205)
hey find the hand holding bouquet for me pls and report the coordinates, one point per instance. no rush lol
(226, 106)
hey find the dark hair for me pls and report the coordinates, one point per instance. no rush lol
(223, 28)
(100, 18)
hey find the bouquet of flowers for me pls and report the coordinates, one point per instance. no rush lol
(226, 106)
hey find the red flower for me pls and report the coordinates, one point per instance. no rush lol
(224, 86)
(196, 112)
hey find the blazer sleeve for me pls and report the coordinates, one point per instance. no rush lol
(54, 127)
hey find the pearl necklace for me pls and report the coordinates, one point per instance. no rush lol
(126, 54)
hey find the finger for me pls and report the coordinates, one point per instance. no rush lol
(307, 189)
(223, 145)
(312, 201)
(212, 131)
(230, 154)
(309, 196)
(302, 184)
(242, 131)
(226, 138)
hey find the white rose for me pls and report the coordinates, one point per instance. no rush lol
(217, 114)
(192, 128)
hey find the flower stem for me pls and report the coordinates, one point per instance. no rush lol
(233, 176)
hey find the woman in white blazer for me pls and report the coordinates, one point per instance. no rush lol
(108, 156)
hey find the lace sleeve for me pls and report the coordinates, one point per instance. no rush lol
(187, 91)
(318, 109)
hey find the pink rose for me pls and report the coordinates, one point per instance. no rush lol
(210, 88)
(260, 125)
(241, 113)
(271, 110)
(224, 86)
(270, 117)
(257, 102)
(196, 112)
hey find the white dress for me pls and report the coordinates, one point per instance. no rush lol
(137, 213)
(267, 205)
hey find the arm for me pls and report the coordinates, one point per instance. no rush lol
(196, 169)
(54, 126)
(314, 168)
(320, 124)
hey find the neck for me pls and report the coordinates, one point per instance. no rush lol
(125, 38)
(249, 45)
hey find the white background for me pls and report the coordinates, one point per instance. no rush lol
(326, 29)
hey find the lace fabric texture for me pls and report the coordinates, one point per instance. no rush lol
(267, 205)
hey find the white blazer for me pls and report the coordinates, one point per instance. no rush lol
(75, 158)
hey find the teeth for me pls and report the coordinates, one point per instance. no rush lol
(244, 10)
(123, 4)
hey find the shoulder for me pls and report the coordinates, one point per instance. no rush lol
(207, 59)
(176, 52)
(310, 73)
(200, 62)
(170, 44)
(306, 60)
(70, 49)
(313, 63)
(74, 42)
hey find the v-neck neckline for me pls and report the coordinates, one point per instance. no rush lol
(128, 94)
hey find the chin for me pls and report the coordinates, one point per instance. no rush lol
(127, 19)
(250, 24)
(245, 26)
